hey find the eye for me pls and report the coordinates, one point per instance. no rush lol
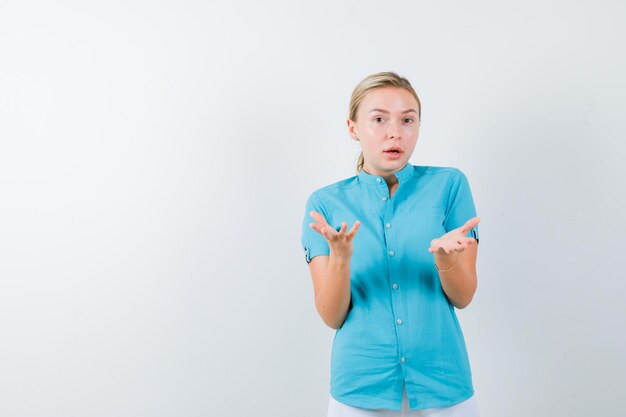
(408, 120)
(378, 119)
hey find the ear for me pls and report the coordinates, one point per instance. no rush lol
(352, 129)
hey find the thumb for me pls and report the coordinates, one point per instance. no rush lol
(469, 225)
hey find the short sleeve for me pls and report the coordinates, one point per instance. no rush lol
(313, 243)
(460, 207)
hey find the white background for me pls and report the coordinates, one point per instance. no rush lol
(155, 158)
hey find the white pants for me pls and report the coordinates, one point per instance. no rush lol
(467, 408)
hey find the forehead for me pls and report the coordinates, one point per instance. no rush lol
(388, 98)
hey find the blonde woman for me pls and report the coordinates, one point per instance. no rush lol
(392, 253)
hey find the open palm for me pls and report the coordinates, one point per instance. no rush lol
(455, 240)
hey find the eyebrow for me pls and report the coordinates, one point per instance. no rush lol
(385, 111)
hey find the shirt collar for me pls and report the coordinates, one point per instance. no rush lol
(402, 175)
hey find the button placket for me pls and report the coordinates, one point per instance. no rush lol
(398, 309)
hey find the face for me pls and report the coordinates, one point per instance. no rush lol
(387, 120)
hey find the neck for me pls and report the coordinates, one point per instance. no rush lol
(390, 179)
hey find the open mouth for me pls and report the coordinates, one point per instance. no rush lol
(393, 154)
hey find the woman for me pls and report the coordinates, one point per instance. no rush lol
(390, 284)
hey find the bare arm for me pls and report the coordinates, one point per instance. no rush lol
(331, 274)
(455, 256)
(331, 284)
(461, 281)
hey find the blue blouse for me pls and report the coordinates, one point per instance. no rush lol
(400, 328)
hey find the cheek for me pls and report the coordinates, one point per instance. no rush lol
(411, 129)
(371, 135)
(411, 134)
(367, 147)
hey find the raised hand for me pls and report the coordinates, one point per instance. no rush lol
(454, 240)
(340, 242)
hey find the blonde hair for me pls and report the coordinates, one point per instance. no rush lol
(373, 82)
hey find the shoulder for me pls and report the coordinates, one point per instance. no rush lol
(338, 188)
(439, 174)
(436, 170)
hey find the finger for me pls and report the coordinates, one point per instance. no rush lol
(318, 217)
(316, 227)
(463, 243)
(355, 227)
(319, 228)
(342, 229)
(469, 225)
(444, 248)
(466, 242)
(435, 245)
(328, 232)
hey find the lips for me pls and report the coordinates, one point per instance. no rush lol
(393, 149)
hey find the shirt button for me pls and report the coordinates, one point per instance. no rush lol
(391, 253)
(384, 198)
(399, 321)
(378, 179)
(402, 359)
(388, 225)
(394, 286)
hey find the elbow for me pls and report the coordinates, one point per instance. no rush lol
(333, 325)
(331, 317)
(463, 304)
(460, 303)
(332, 322)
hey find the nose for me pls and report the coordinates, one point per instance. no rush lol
(393, 130)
